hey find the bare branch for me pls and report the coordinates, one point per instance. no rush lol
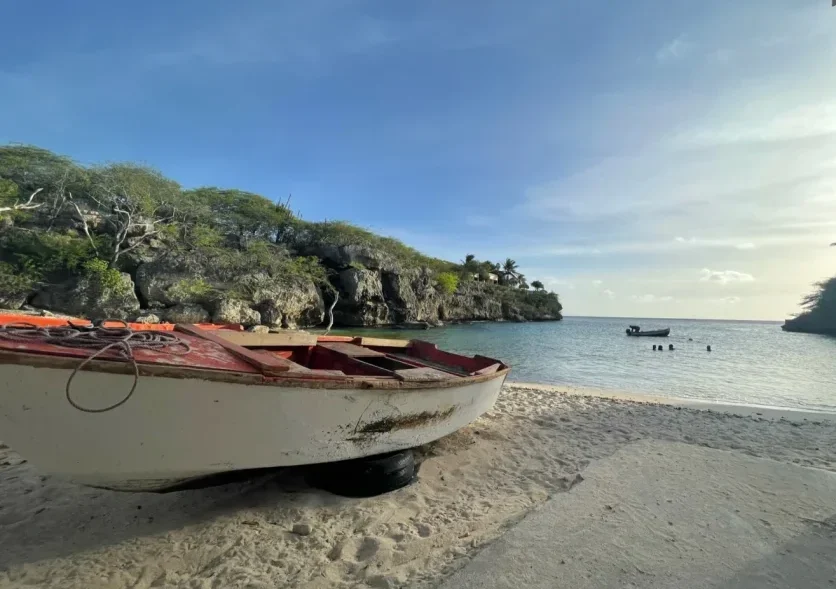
(331, 312)
(121, 235)
(86, 228)
(139, 242)
(27, 206)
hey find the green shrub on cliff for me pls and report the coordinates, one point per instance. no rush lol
(447, 282)
(190, 290)
(38, 254)
(243, 216)
(14, 284)
(101, 274)
(338, 233)
(532, 303)
(9, 192)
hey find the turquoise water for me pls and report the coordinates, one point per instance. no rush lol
(753, 363)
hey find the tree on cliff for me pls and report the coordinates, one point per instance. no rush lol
(33, 178)
(819, 315)
(136, 202)
(537, 285)
(470, 264)
(242, 216)
(509, 272)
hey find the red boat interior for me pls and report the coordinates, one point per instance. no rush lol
(273, 355)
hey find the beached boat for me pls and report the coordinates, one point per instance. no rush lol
(186, 401)
(636, 331)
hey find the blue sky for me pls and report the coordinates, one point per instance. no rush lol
(641, 158)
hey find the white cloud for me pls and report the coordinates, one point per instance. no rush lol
(681, 243)
(725, 276)
(763, 121)
(674, 50)
(729, 300)
(597, 282)
(649, 298)
(609, 293)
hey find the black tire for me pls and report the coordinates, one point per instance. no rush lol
(383, 464)
(366, 477)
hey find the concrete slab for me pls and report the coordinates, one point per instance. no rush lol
(660, 514)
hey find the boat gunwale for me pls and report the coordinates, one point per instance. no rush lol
(288, 379)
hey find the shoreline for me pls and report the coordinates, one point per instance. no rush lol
(538, 442)
(787, 413)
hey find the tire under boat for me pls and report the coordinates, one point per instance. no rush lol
(236, 401)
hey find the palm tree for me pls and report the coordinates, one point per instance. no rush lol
(521, 283)
(510, 266)
(509, 272)
(538, 285)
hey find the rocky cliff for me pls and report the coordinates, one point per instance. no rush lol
(375, 290)
(122, 241)
(176, 286)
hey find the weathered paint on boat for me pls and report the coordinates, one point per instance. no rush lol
(177, 429)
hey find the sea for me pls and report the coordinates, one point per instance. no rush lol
(750, 363)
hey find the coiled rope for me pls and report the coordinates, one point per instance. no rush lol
(101, 339)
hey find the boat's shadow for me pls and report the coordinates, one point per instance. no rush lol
(45, 517)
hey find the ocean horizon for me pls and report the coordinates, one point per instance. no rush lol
(751, 362)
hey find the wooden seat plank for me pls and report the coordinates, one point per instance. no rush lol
(382, 342)
(454, 370)
(266, 362)
(351, 350)
(267, 340)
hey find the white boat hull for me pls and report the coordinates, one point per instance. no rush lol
(173, 430)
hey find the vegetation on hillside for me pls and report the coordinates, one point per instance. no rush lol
(60, 219)
(819, 313)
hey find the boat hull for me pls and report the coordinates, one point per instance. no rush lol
(657, 333)
(174, 430)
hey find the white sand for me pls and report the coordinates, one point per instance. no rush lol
(473, 485)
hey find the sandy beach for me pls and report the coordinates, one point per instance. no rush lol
(474, 485)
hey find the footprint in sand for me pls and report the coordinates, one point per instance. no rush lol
(368, 548)
(423, 530)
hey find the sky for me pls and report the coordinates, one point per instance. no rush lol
(642, 158)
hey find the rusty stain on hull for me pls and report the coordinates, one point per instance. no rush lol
(387, 424)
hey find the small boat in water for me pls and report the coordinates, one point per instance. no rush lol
(636, 331)
(152, 407)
